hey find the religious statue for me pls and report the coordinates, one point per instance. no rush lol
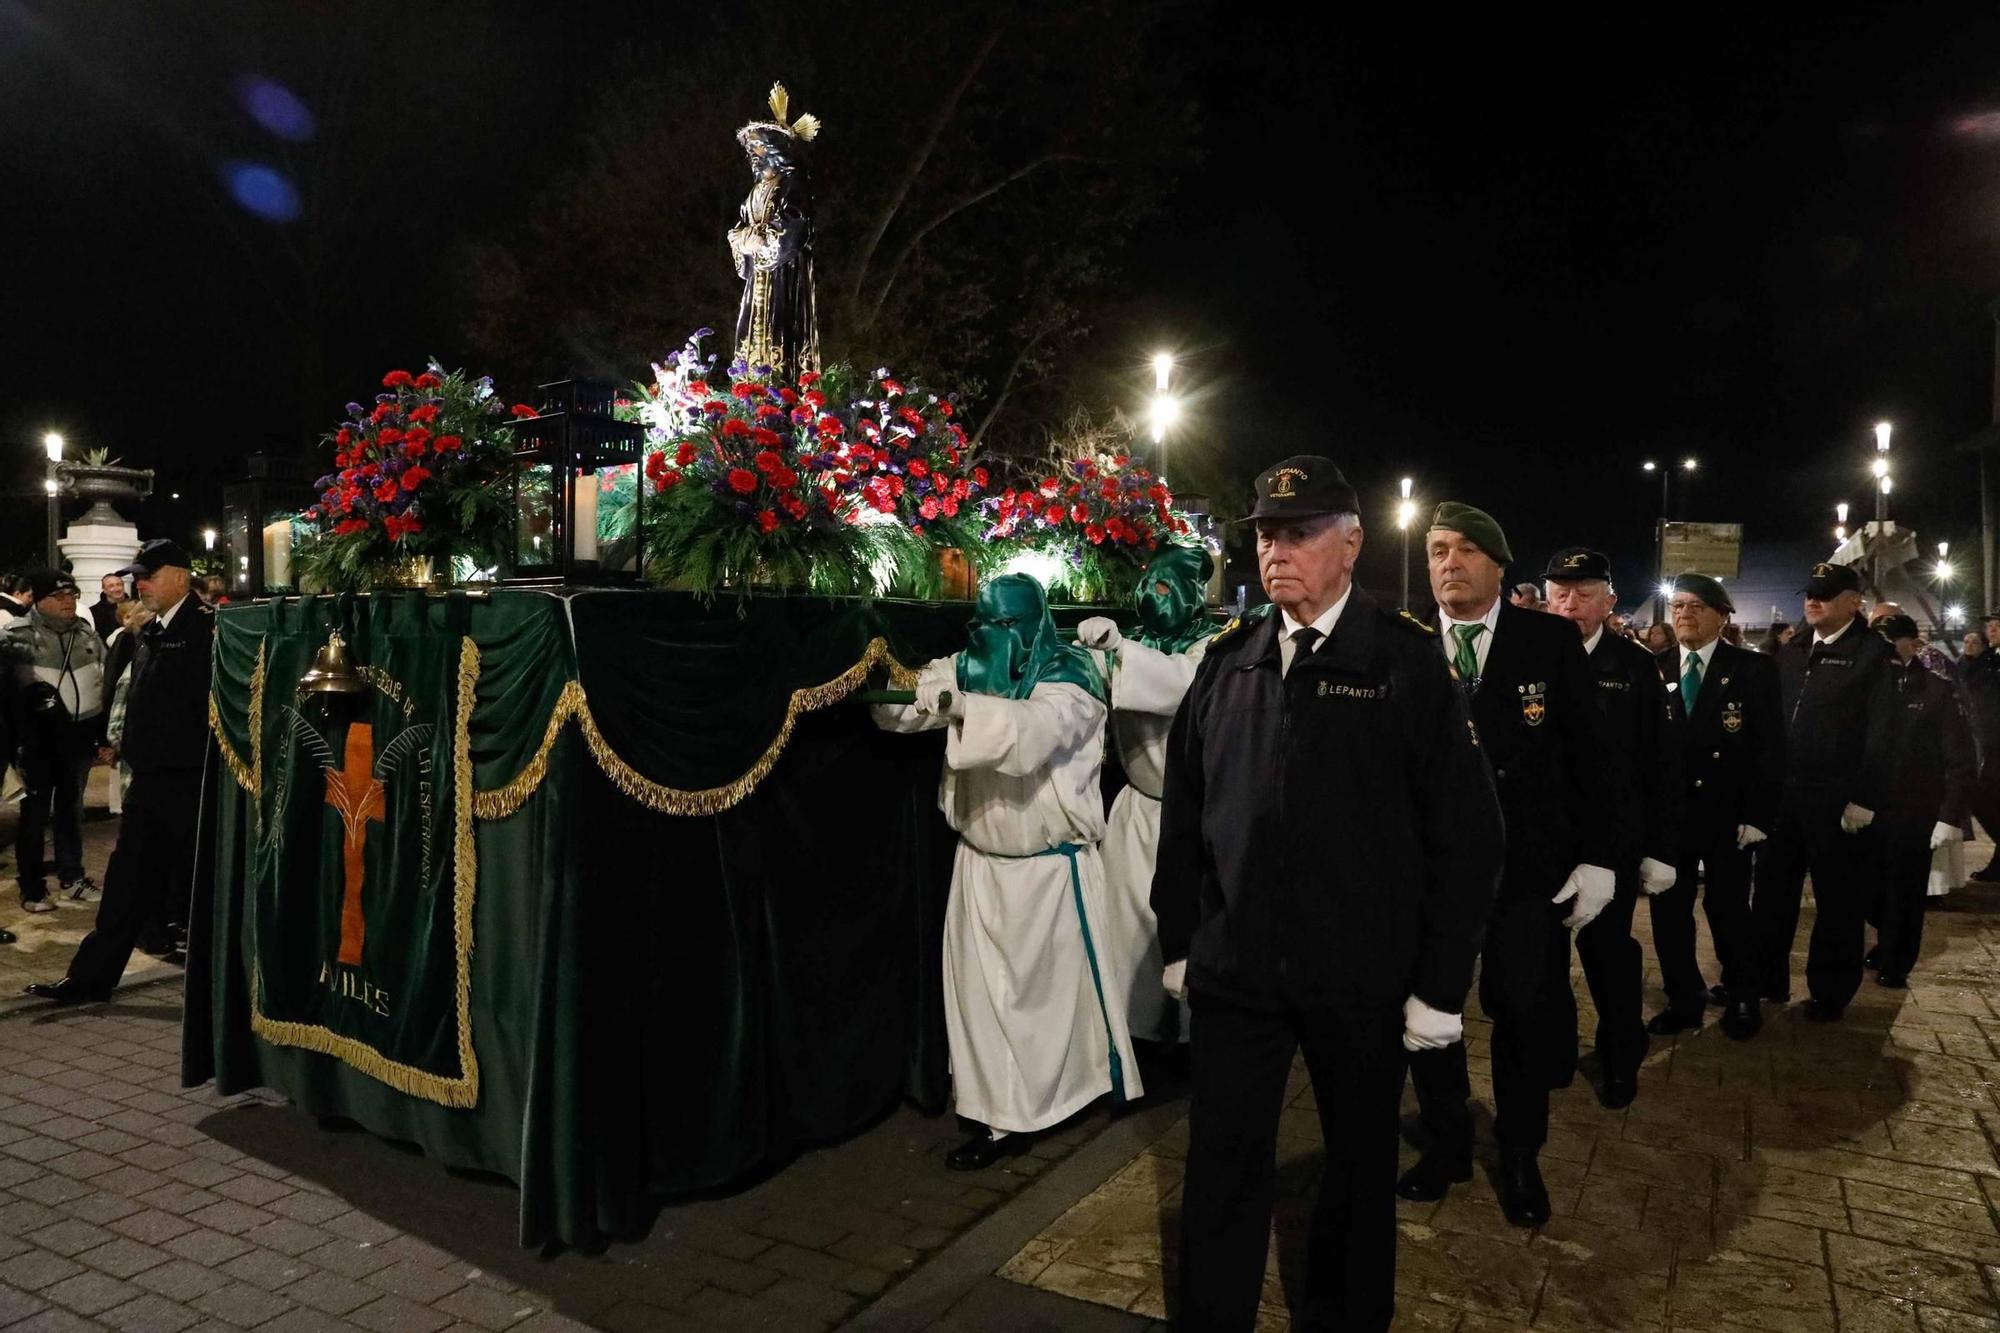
(776, 325)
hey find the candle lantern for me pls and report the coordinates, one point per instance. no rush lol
(578, 501)
(259, 521)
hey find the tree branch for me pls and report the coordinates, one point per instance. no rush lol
(945, 112)
(976, 197)
(1006, 387)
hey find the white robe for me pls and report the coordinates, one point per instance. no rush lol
(1146, 689)
(1032, 1031)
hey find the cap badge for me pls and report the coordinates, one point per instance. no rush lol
(1281, 483)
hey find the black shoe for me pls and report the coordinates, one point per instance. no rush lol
(1823, 1013)
(1893, 980)
(1523, 1196)
(7, 936)
(1433, 1176)
(1742, 1019)
(1618, 1090)
(1991, 874)
(983, 1150)
(1868, 960)
(1672, 1019)
(67, 991)
(1718, 997)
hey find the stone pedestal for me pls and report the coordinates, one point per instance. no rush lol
(96, 549)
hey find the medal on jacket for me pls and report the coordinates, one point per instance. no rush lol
(1732, 717)
(1534, 703)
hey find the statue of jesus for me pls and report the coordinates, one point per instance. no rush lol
(776, 326)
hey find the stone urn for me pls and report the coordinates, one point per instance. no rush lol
(104, 484)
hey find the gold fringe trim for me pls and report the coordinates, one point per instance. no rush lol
(502, 801)
(462, 1091)
(250, 776)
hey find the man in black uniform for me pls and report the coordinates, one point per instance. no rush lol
(1832, 683)
(1981, 673)
(1329, 845)
(164, 744)
(1643, 751)
(1534, 702)
(1923, 799)
(1726, 702)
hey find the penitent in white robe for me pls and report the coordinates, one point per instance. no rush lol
(1034, 1006)
(1146, 689)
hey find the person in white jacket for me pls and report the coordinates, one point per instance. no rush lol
(1150, 672)
(1034, 1005)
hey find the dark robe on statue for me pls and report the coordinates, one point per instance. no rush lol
(776, 324)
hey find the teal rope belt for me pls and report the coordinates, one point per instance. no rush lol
(1070, 850)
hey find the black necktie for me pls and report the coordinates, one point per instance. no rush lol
(1306, 639)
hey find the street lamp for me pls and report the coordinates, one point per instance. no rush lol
(1840, 521)
(52, 445)
(1688, 466)
(208, 539)
(1406, 518)
(1883, 482)
(1166, 410)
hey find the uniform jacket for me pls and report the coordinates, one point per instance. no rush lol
(166, 703)
(1643, 740)
(1734, 745)
(1981, 675)
(1544, 736)
(1932, 764)
(1833, 699)
(1330, 835)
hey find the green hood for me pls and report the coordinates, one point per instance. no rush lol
(1172, 597)
(1013, 645)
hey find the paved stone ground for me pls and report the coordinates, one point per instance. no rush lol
(1816, 1178)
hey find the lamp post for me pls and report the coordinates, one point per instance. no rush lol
(1406, 517)
(1840, 521)
(52, 445)
(1883, 482)
(1688, 465)
(1165, 409)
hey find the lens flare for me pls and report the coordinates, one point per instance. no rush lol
(275, 107)
(262, 191)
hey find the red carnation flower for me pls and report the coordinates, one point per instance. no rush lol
(788, 396)
(950, 507)
(735, 427)
(417, 433)
(1108, 489)
(890, 386)
(685, 454)
(1054, 513)
(929, 508)
(715, 407)
(766, 437)
(389, 435)
(446, 443)
(1095, 534)
(413, 449)
(911, 415)
(765, 411)
(428, 380)
(766, 461)
(1120, 460)
(350, 525)
(744, 389)
(945, 408)
(343, 437)
(415, 477)
(1079, 513)
(429, 412)
(698, 388)
(396, 379)
(794, 506)
(382, 410)
(919, 468)
(742, 480)
(979, 477)
(386, 491)
(522, 410)
(666, 481)
(766, 520)
(784, 478)
(810, 377)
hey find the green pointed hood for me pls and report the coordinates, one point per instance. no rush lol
(1013, 645)
(1172, 599)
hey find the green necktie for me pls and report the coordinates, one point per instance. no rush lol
(1691, 682)
(1465, 661)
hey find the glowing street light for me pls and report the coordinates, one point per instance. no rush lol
(1690, 464)
(1163, 369)
(1406, 518)
(208, 538)
(52, 444)
(1166, 411)
(1882, 430)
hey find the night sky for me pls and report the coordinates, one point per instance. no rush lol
(1512, 261)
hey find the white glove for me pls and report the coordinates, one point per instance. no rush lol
(1593, 888)
(931, 693)
(1748, 836)
(1428, 1029)
(1174, 979)
(1942, 833)
(1854, 818)
(1656, 876)
(1099, 632)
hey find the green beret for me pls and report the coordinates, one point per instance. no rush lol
(1707, 589)
(1476, 524)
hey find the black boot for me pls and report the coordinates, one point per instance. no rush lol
(1618, 1090)
(1433, 1176)
(1743, 1018)
(1523, 1196)
(983, 1150)
(1674, 1018)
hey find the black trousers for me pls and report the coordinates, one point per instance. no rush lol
(1903, 879)
(1614, 968)
(56, 768)
(1725, 898)
(1524, 988)
(1239, 1059)
(1986, 792)
(1808, 841)
(151, 870)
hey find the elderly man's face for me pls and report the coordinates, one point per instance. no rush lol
(1306, 563)
(1825, 614)
(1464, 579)
(1696, 623)
(163, 589)
(1586, 603)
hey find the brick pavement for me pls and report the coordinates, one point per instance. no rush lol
(1815, 1178)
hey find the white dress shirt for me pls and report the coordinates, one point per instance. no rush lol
(1707, 655)
(1834, 637)
(1324, 623)
(1481, 645)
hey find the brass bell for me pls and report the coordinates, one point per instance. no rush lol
(331, 672)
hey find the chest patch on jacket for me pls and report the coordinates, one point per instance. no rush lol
(1534, 703)
(1732, 716)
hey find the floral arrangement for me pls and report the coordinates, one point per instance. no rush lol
(417, 475)
(822, 484)
(1089, 522)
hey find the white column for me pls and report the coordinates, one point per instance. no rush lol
(96, 549)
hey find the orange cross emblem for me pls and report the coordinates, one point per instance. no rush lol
(354, 790)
